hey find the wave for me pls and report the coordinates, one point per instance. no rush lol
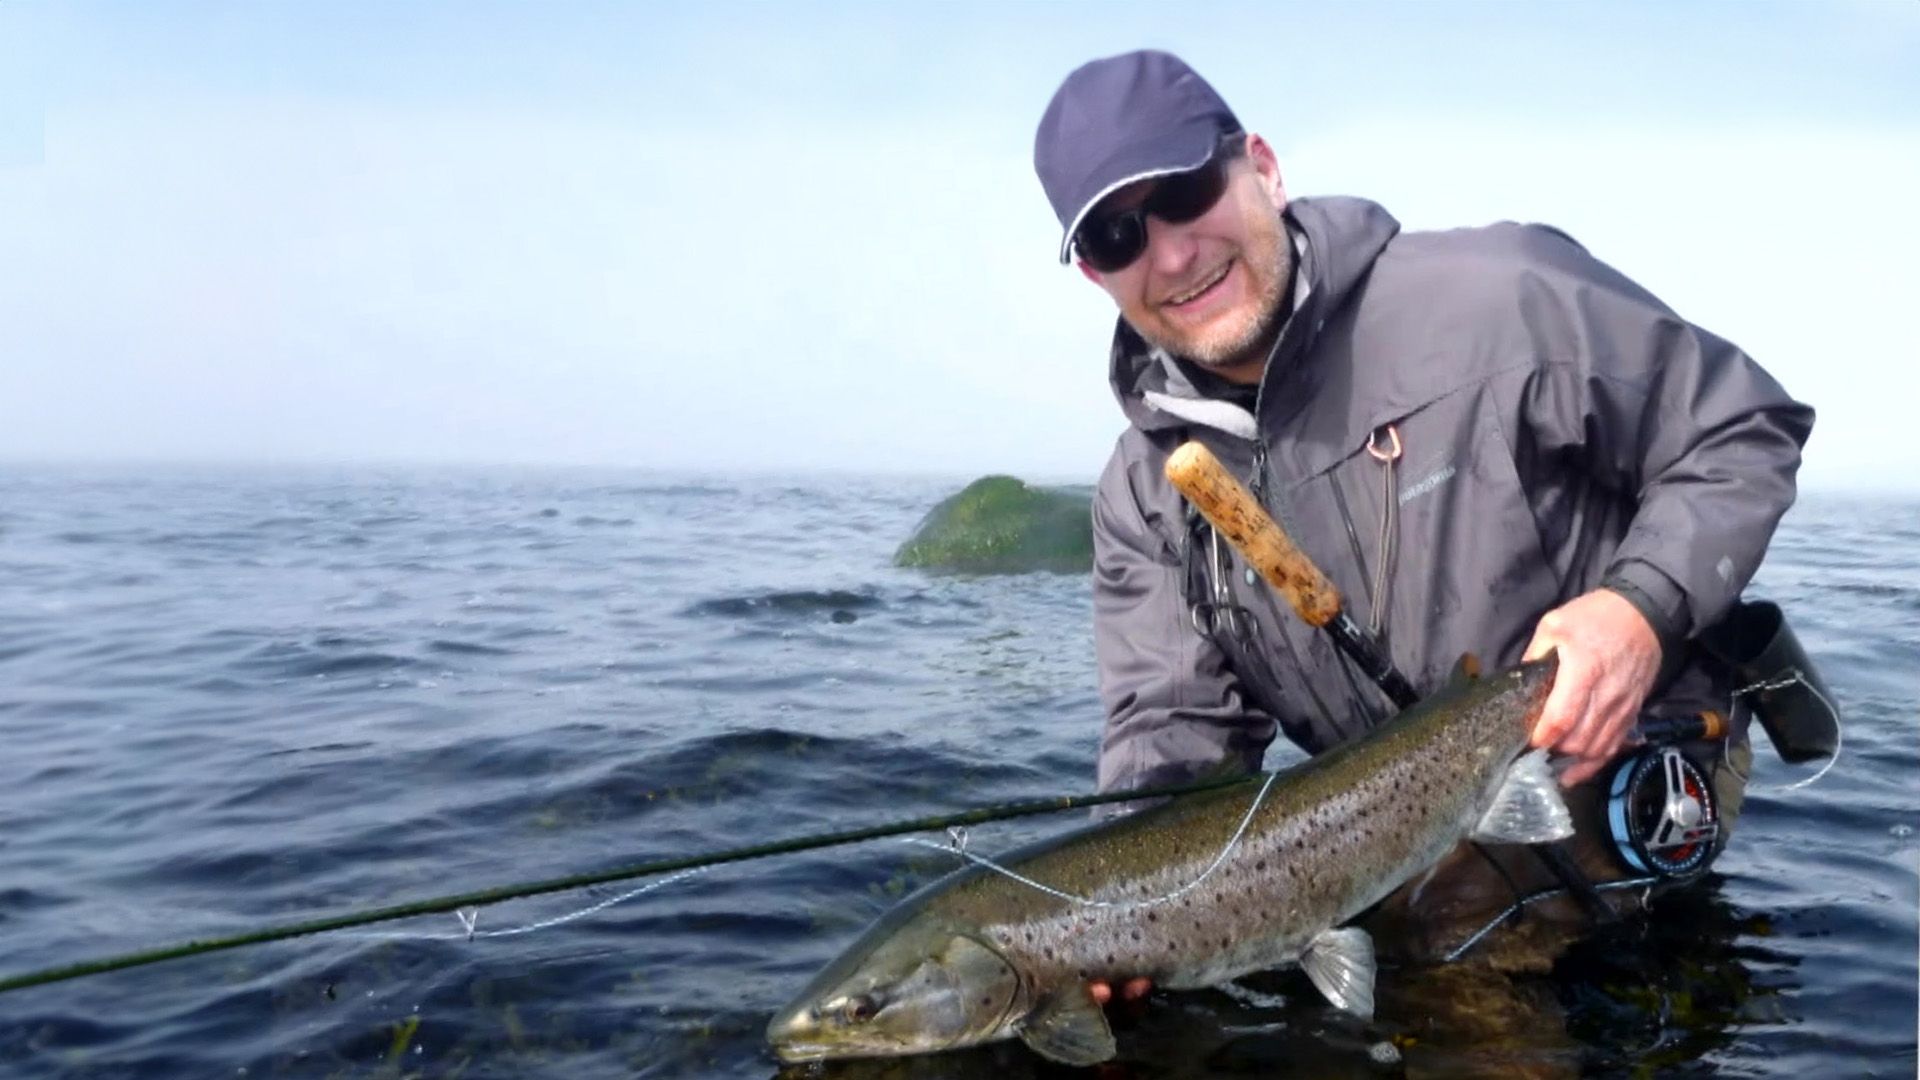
(466, 648)
(288, 659)
(839, 604)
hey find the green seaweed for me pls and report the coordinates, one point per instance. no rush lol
(1000, 525)
(403, 1033)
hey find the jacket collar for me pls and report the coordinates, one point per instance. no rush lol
(1336, 240)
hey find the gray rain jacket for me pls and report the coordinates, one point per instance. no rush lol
(1561, 428)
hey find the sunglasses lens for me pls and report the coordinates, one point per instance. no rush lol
(1181, 198)
(1111, 243)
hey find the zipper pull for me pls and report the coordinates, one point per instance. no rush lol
(1257, 483)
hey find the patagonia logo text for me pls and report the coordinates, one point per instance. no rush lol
(1426, 485)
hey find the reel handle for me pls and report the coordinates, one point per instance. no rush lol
(1674, 729)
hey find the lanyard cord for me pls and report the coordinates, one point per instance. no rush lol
(1389, 457)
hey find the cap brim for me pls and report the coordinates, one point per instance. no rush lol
(1066, 239)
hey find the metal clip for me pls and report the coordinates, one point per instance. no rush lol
(1391, 451)
(1210, 617)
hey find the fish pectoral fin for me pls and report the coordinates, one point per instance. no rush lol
(1070, 1028)
(1340, 963)
(1528, 809)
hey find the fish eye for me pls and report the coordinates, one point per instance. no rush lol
(860, 1008)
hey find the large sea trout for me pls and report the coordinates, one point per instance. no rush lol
(979, 956)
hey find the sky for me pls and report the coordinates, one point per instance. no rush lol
(807, 237)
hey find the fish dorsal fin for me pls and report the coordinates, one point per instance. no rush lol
(1528, 808)
(1070, 1028)
(1340, 963)
(1463, 673)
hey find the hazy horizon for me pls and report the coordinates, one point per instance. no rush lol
(174, 468)
(753, 240)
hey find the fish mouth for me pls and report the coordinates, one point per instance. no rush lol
(798, 1053)
(796, 1037)
(788, 1035)
(794, 1053)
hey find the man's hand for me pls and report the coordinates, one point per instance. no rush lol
(1609, 656)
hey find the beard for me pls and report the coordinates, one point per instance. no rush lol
(1247, 334)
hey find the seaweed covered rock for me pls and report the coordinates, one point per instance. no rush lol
(999, 525)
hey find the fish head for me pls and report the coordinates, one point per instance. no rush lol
(922, 989)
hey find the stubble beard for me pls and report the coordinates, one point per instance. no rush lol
(1251, 342)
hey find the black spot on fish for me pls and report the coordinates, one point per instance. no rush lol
(1136, 933)
(1153, 916)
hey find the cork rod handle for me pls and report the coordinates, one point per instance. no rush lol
(1231, 508)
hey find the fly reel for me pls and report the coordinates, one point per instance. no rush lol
(1662, 813)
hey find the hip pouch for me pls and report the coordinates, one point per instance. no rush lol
(1772, 671)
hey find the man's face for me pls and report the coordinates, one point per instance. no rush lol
(1210, 289)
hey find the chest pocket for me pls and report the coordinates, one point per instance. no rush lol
(1465, 567)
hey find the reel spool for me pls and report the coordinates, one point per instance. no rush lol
(1662, 813)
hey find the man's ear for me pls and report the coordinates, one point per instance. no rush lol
(1091, 274)
(1268, 166)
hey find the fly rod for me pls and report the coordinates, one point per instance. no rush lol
(1231, 509)
(1233, 512)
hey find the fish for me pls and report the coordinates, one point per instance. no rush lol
(1192, 892)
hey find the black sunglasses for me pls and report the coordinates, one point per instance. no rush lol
(1110, 242)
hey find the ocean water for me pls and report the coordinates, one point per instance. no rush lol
(230, 699)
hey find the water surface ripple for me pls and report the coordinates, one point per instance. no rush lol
(237, 698)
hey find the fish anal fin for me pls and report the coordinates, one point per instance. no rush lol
(1528, 808)
(1340, 963)
(1070, 1028)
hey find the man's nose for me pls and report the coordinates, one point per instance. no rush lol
(1170, 248)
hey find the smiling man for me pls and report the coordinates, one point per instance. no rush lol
(1216, 298)
(1491, 442)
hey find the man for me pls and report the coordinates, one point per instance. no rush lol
(1489, 440)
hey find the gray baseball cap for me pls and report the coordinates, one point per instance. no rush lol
(1121, 119)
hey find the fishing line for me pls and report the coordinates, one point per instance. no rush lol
(466, 905)
(1542, 894)
(1789, 678)
(959, 847)
(1792, 676)
(470, 916)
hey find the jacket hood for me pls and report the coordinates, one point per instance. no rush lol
(1337, 239)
